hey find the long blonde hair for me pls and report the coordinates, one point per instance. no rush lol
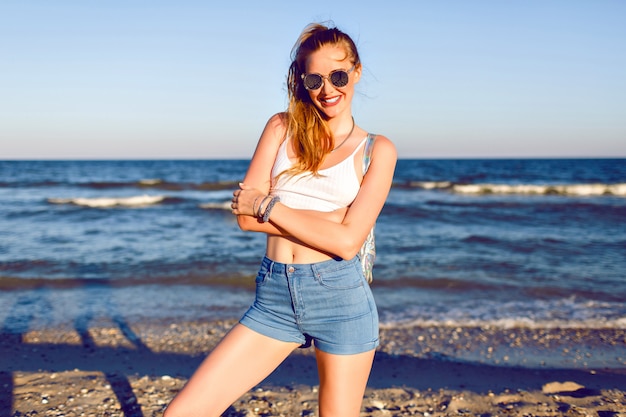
(307, 127)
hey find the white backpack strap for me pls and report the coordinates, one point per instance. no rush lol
(367, 152)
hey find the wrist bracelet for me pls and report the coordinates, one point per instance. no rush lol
(270, 206)
(254, 204)
(260, 211)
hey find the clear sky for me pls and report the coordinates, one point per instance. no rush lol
(198, 79)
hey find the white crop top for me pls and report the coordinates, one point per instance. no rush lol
(335, 187)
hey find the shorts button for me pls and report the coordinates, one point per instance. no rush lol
(291, 269)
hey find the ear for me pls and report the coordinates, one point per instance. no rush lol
(357, 72)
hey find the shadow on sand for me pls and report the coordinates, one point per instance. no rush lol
(117, 364)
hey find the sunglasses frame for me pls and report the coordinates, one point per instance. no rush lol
(327, 77)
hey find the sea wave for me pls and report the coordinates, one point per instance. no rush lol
(580, 190)
(144, 183)
(160, 184)
(106, 202)
(458, 187)
(150, 181)
(561, 313)
(509, 323)
(219, 205)
(431, 185)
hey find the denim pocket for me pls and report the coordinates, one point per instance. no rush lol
(262, 275)
(341, 279)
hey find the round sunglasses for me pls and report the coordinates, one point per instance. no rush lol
(339, 78)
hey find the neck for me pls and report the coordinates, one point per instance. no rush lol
(340, 123)
(345, 139)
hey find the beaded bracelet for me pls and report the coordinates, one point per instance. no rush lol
(270, 206)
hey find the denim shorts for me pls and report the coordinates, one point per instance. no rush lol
(328, 303)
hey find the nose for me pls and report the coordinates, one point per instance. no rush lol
(327, 86)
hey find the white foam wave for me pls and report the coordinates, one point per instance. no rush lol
(581, 190)
(556, 313)
(431, 185)
(150, 181)
(510, 323)
(104, 202)
(223, 205)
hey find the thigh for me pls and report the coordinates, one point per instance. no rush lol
(240, 361)
(343, 379)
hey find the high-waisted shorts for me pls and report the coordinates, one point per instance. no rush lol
(329, 303)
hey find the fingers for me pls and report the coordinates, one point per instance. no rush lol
(240, 207)
(234, 205)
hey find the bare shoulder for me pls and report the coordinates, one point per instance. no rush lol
(277, 125)
(384, 148)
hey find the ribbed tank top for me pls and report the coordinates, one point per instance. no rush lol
(334, 188)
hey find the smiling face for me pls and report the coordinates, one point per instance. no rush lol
(332, 101)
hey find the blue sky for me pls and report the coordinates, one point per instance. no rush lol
(189, 79)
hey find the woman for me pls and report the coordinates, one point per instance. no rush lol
(306, 190)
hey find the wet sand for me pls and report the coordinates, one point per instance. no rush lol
(115, 368)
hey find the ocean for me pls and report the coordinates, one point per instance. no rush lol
(531, 243)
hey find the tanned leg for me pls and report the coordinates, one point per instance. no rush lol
(240, 361)
(343, 379)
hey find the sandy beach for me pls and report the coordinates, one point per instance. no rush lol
(115, 368)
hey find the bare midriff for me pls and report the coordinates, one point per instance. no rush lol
(288, 250)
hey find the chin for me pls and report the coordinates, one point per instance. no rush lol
(330, 112)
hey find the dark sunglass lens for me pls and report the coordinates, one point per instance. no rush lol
(339, 78)
(312, 81)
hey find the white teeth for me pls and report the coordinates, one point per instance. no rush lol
(331, 100)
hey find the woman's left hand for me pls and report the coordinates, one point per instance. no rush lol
(245, 199)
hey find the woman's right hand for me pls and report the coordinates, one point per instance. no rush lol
(246, 200)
